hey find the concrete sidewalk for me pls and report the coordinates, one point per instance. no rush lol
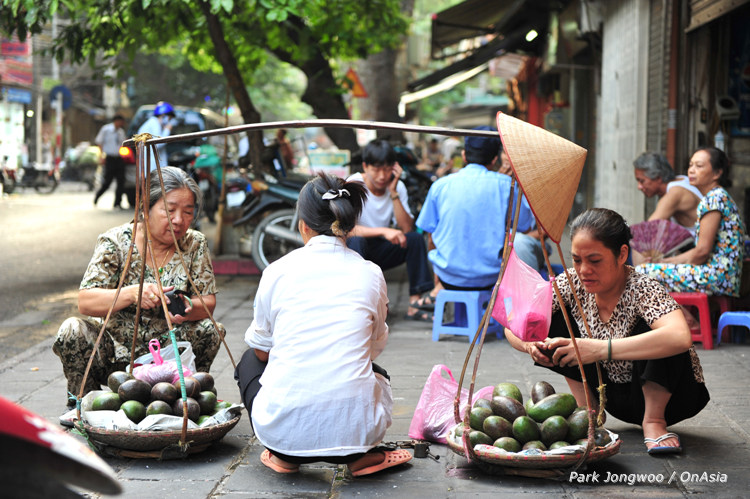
(714, 462)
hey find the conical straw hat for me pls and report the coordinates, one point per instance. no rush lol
(548, 168)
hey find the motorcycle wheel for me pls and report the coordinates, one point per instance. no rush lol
(267, 248)
(48, 185)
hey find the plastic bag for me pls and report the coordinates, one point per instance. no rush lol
(161, 370)
(434, 415)
(524, 301)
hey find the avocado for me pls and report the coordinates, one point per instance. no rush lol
(534, 444)
(134, 410)
(482, 402)
(560, 404)
(558, 444)
(479, 437)
(159, 407)
(578, 425)
(207, 401)
(507, 407)
(553, 429)
(509, 444)
(497, 426)
(135, 389)
(206, 381)
(192, 386)
(477, 417)
(106, 402)
(540, 390)
(223, 404)
(194, 410)
(508, 390)
(202, 418)
(525, 429)
(115, 379)
(601, 437)
(165, 392)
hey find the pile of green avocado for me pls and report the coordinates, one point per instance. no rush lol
(139, 399)
(547, 420)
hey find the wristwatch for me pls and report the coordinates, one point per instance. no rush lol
(394, 196)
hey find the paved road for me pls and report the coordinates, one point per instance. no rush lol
(46, 243)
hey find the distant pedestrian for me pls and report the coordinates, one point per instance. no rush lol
(159, 125)
(109, 139)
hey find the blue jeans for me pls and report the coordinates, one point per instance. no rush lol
(387, 255)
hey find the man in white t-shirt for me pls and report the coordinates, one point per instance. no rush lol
(678, 200)
(384, 233)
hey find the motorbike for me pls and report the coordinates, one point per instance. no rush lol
(272, 206)
(269, 219)
(43, 180)
(203, 164)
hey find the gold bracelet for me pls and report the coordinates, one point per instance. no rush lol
(394, 196)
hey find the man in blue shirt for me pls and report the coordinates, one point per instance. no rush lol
(465, 213)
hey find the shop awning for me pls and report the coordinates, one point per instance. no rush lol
(705, 11)
(469, 19)
(509, 22)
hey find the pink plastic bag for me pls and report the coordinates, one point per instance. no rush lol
(524, 301)
(160, 370)
(434, 416)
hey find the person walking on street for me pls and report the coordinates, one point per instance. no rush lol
(159, 125)
(109, 139)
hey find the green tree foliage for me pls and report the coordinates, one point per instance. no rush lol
(234, 37)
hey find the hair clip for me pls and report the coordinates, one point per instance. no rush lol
(333, 194)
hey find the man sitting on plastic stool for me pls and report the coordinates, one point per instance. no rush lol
(465, 214)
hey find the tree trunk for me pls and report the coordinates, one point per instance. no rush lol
(322, 92)
(236, 84)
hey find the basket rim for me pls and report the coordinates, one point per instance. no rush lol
(160, 433)
(515, 460)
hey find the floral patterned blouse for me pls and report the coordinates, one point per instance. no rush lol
(721, 274)
(106, 266)
(642, 298)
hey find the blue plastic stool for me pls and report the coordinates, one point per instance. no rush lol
(469, 309)
(556, 267)
(732, 319)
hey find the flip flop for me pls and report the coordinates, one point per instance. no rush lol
(392, 458)
(425, 302)
(265, 458)
(419, 315)
(663, 449)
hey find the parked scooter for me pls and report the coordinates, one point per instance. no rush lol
(44, 181)
(269, 219)
(81, 163)
(204, 165)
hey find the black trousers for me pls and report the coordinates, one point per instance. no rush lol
(625, 401)
(114, 169)
(248, 373)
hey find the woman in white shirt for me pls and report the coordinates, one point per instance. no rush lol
(308, 379)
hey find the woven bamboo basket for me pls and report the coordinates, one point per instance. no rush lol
(544, 465)
(159, 444)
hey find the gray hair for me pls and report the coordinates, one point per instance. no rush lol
(174, 178)
(654, 165)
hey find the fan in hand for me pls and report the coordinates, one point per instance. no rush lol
(655, 239)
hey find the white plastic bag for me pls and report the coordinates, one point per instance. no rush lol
(167, 353)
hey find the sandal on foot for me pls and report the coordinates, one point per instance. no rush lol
(265, 458)
(424, 302)
(419, 315)
(663, 449)
(392, 458)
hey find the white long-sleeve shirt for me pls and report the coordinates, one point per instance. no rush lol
(320, 313)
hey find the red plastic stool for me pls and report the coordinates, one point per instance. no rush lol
(700, 302)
